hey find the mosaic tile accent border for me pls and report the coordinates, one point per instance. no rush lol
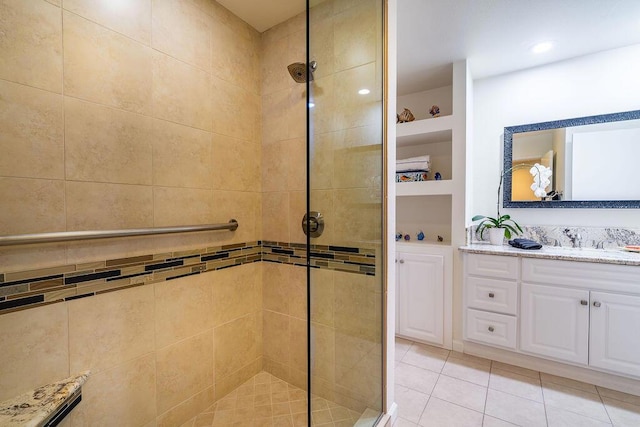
(339, 258)
(34, 288)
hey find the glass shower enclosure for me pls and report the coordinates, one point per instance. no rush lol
(344, 209)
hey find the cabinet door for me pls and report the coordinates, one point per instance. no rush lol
(420, 293)
(554, 322)
(615, 336)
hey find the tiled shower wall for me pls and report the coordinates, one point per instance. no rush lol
(131, 114)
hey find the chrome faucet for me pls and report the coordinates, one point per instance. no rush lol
(577, 241)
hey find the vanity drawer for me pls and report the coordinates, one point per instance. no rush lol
(586, 275)
(491, 328)
(501, 267)
(496, 295)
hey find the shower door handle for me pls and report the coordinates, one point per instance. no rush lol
(313, 222)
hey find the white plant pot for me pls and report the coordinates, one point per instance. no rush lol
(496, 236)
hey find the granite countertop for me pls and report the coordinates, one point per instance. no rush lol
(603, 256)
(36, 406)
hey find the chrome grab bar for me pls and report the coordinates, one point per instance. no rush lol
(66, 236)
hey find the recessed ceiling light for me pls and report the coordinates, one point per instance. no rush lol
(364, 91)
(542, 47)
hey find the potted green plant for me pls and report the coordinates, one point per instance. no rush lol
(502, 225)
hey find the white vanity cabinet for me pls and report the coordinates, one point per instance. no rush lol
(422, 290)
(554, 322)
(614, 332)
(583, 313)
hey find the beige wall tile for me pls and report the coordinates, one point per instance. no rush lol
(187, 409)
(298, 344)
(229, 383)
(181, 92)
(195, 206)
(182, 30)
(106, 145)
(236, 56)
(237, 292)
(236, 111)
(183, 370)
(21, 258)
(35, 349)
(355, 36)
(275, 166)
(132, 18)
(357, 167)
(322, 296)
(298, 292)
(245, 207)
(275, 122)
(351, 108)
(31, 205)
(297, 112)
(297, 210)
(357, 305)
(236, 164)
(32, 125)
(181, 156)
(276, 337)
(31, 48)
(275, 216)
(323, 341)
(183, 308)
(322, 44)
(126, 393)
(321, 161)
(237, 344)
(275, 75)
(106, 67)
(107, 206)
(323, 115)
(277, 369)
(109, 329)
(297, 164)
(276, 287)
(358, 216)
(358, 137)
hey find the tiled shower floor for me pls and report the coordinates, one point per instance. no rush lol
(265, 400)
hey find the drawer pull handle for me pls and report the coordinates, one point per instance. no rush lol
(401, 261)
(491, 329)
(584, 302)
(491, 295)
(596, 304)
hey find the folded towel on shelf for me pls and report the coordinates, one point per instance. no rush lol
(421, 163)
(525, 244)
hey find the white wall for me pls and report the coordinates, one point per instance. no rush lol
(601, 83)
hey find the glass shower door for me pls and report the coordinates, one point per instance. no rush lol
(345, 192)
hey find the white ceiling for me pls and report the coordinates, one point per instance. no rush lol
(264, 14)
(495, 35)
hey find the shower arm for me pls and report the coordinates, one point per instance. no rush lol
(67, 236)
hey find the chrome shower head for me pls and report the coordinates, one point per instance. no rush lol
(300, 72)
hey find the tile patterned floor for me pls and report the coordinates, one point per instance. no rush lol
(265, 400)
(436, 387)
